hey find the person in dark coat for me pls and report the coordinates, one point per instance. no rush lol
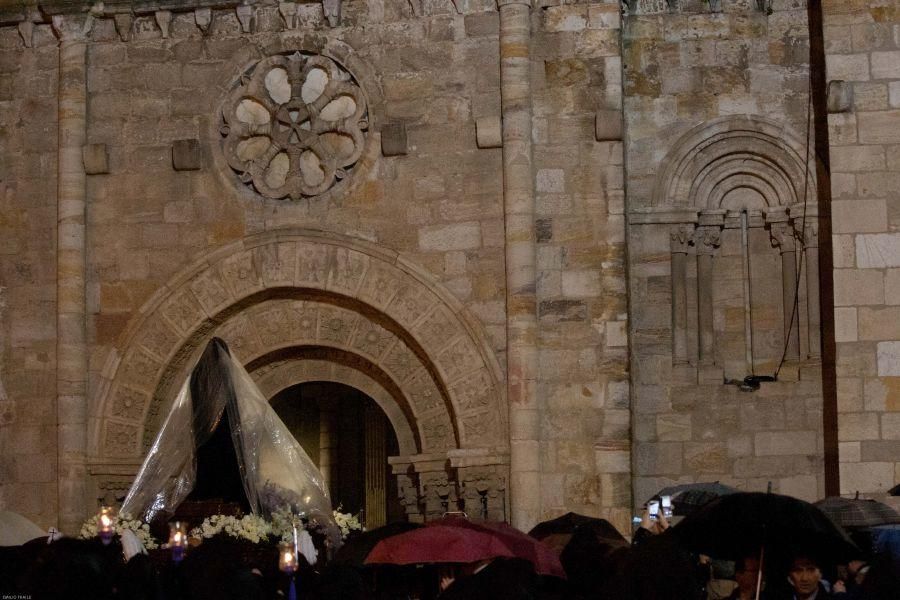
(507, 578)
(803, 581)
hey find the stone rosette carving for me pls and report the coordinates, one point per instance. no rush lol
(294, 125)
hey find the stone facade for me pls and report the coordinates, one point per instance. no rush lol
(862, 47)
(539, 235)
(716, 113)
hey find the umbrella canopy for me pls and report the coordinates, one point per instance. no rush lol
(459, 540)
(569, 521)
(735, 525)
(557, 533)
(858, 513)
(357, 548)
(688, 497)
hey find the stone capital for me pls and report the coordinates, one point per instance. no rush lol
(783, 236)
(680, 237)
(707, 239)
(811, 234)
(70, 28)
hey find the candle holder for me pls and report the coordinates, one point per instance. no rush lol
(106, 525)
(177, 540)
(287, 558)
(287, 563)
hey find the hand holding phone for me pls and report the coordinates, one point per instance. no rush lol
(666, 503)
(653, 509)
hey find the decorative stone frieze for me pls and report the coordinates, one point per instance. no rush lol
(294, 125)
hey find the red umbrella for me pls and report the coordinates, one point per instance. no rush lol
(458, 540)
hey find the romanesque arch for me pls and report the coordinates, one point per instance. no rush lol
(350, 311)
(737, 198)
(718, 156)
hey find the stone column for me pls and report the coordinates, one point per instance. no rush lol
(521, 306)
(782, 232)
(707, 238)
(71, 339)
(408, 487)
(327, 443)
(813, 312)
(680, 238)
(376, 461)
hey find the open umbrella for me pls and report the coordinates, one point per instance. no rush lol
(357, 548)
(459, 540)
(688, 497)
(737, 525)
(556, 533)
(856, 513)
(729, 526)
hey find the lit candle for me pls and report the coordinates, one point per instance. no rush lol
(287, 558)
(105, 525)
(177, 540)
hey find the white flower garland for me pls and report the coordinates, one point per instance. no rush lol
(252, 528)
(123, 522)
(346, 522)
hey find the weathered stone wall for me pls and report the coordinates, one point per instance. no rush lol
(430, 70)
(581, 261)
(738, 72)
(28, 144)
(862, 46)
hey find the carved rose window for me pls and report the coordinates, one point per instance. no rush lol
(294, 125)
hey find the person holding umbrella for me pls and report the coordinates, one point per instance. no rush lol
(804, 580)
(746, 574)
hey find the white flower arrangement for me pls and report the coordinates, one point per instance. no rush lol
(123, 522)
(346, 522)
(252, 528)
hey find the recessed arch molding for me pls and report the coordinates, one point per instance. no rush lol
(342, 309)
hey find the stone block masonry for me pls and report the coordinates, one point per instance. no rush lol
(865, 183)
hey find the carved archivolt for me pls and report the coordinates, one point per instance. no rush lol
(719, 156)
(365, 307)
(294, 125)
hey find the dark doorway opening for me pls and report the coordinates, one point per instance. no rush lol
(348, 436)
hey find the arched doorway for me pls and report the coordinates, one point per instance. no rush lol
(297, 307)
(348, 436)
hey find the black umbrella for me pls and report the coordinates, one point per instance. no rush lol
(894, 491)
(688, 497)
(732, 525)
(570, 521)
(557, 533)
(742, 524)
(858, 513)
(357, 548)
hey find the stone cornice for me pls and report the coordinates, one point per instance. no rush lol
(16, 11)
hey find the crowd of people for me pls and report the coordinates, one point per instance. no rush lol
(654, 565)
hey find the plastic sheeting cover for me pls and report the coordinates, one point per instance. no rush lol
(276, 472)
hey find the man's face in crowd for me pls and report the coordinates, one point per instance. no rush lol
(804, 576)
